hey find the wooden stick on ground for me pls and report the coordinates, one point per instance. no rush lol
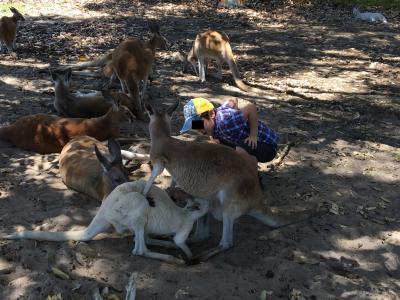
(131, 287)
(274, 164)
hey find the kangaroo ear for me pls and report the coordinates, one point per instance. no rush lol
(54, 76)
(68, 75)
(115, 150)
(154, 28)
(107, 95)
(105, 163)
(17, 13)
(116, 102)
(170, 109)
(149, 109)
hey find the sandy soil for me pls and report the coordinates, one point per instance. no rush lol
(332, 86)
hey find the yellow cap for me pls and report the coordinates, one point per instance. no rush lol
(202, 105)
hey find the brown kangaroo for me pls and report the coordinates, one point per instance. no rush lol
(78, 105)
(8, 29)
(215, 45)
(89, 167)
(132, 62)
(45, 133)
(212, 171)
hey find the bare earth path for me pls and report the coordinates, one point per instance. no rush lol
(332, 86)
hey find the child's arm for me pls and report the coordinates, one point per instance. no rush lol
(250, 113)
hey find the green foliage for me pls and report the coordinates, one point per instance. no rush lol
(5, 8)
(371, 3)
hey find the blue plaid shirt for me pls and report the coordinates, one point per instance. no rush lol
(231, 126)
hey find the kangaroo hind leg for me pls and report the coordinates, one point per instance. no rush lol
(141, 249)
(202, 72)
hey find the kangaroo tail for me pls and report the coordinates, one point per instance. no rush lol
(238, 81)
(80, 235)
(265, 215)
(102, 61)
(236, 75)
(96, 226)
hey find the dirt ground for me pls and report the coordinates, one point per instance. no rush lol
(332, 86)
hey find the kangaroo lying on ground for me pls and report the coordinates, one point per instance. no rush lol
(86, 168)
(369, 16)
(231, 3)
(215, 45)
(44, 133)
(125, 208)
(132, 62)
(212, 171)
(76, 105)
(8, 29)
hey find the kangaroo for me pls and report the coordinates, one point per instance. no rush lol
(132, 62)
(84, 167)
(45, 133)
(369, 16)
(8, 29)
(125, 208)
(231, 3)
(78, 105)
(212, 171)
(215, 45)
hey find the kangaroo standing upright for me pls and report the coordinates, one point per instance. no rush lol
(8, 29)
(132, 62)
(212, 171)
(215, 45)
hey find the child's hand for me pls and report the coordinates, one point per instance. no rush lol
(233, 103)
(251, 141)
(215, 141)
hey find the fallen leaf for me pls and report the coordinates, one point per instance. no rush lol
(389, 219)
(54, 297)
(382, 205)
(376, 188)
(76, 286)
(57, 272)
(300, 258)
(264, 294)
(334, 209)
(381, 222)
(82, 58)
(263, 238)
(173, 88)
(296, 295)
(112, 297)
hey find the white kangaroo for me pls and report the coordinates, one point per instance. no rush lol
(369, 16)
(125, 208)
